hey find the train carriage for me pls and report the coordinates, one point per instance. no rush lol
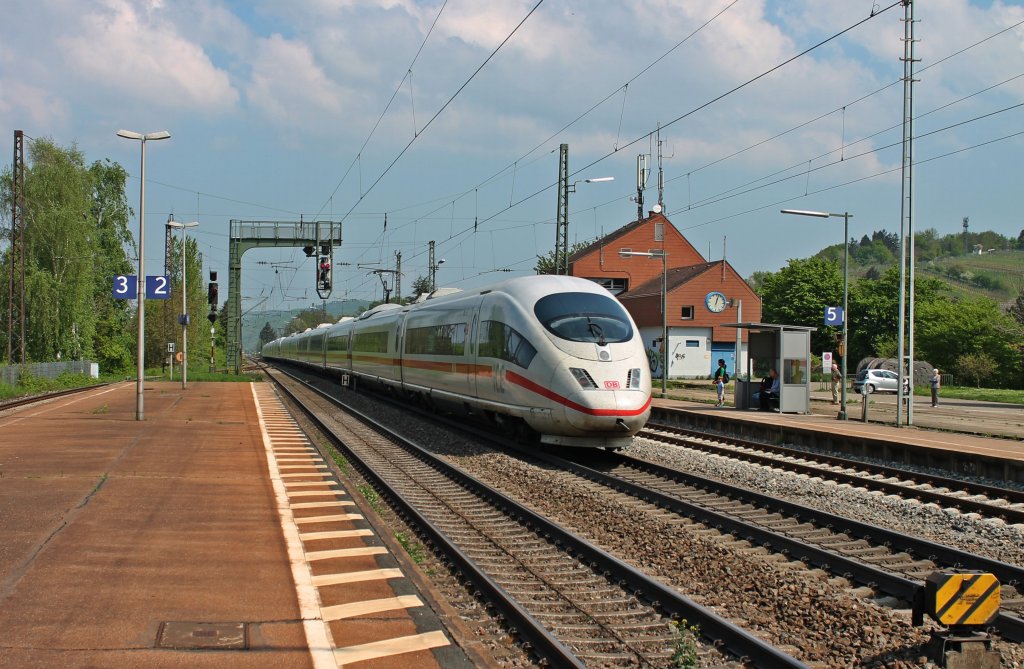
(557, 354)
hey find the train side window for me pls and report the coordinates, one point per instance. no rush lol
(498, 340)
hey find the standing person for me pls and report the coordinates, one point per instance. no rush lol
(936, 384)
(721, 378)
(836, 378)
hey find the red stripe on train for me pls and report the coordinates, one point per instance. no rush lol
(520, 380)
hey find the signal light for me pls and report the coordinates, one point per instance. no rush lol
(323, 276)
(325, 249)
(309, 250)
(211, 294)
(212, 316)
(213, 275)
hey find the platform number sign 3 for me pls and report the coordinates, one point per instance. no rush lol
(158, 287)
(126, 287)
(833, 315)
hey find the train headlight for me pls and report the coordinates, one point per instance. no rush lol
(633, 380)
(584, 379)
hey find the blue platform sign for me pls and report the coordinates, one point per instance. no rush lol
(833, 315)
(126, 287)
(158, 287)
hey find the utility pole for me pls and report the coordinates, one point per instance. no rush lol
(562, 213)
(905, 338)
(398, 276)
(641, 184)
(16, 291)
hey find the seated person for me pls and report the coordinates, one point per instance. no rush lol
(769, 393)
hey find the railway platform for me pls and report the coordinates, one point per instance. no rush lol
(211, 534)
(950, 450)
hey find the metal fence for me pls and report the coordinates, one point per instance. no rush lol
(10, 374)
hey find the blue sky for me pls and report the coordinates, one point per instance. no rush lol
(269, 103)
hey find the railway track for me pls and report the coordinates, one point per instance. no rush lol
(33, 399)
(966, 496)
(557, 590)
(891, 562)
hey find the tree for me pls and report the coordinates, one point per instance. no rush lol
(798, 294)
(267, 335)
(76, 221)
(976, 367)
(419, 286)
(546, 263)
(307, 318)
(1017, 309)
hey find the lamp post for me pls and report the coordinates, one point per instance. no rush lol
(140, 349)
(846, 216)
(184, 304)
(664, 311)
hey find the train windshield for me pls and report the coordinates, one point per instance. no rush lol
(584, 317)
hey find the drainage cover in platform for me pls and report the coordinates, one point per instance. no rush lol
(198, 636)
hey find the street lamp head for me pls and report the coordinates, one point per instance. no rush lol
(441, 261)
(804, 212)
(150, 136)
(178, 224)
(599, 179)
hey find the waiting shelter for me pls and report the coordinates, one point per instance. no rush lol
(786, 348)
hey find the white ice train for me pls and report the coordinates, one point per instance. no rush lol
(558, 354)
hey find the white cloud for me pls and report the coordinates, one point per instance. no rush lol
(289, 86)
(134, 51)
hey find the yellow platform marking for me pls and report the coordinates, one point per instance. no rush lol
(322, 505)
(378, 649)
(340, 534)
(346, 552)
(328, 519)
(357, 577)
(354, 609)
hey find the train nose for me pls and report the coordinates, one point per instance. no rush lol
(615, 411)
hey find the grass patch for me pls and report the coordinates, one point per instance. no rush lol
(101, 409)
(340, 460)
(34, 385)
(417, 552)
(371, 497)
(978, 394)
(684, 654)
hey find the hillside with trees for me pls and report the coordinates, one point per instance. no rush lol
(969, 316)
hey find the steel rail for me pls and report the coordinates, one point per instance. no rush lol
(538, 638)
(1011, 626)
(735, 639)
(902, 489)
(25, 401)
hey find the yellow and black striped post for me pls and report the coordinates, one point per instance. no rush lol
(962, 598)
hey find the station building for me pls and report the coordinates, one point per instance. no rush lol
(702, 295)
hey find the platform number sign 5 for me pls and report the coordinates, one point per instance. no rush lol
(833, 315)
(126, 287)
(158, 287)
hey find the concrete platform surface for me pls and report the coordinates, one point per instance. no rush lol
(157, 543)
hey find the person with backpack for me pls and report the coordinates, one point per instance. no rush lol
(721, 378)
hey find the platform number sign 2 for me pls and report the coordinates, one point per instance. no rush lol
(126, 287)
(158, 287)
(833, 315)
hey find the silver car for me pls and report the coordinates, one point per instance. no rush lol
(881, 380)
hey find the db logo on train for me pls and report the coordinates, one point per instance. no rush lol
(611, 385)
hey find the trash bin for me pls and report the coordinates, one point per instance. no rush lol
(741, 394)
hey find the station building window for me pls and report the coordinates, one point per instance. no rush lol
(687, 313)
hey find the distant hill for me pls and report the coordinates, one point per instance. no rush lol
(253, 322)
(997, 272)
